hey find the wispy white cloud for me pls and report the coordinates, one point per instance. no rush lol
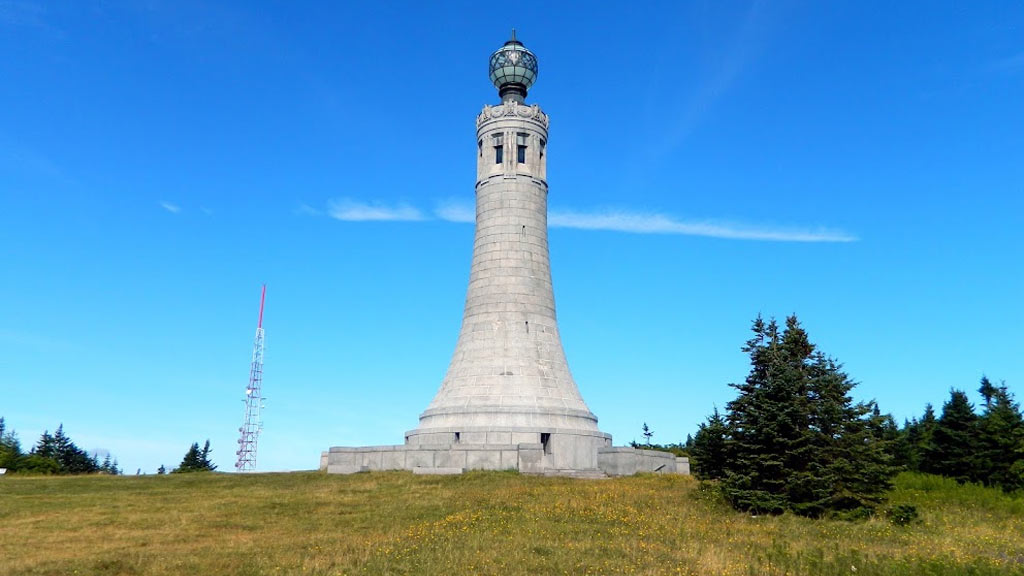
(732, 54)
(639, 223)
(455, 211)
(604, 220)
(356, 211)
(307, 210)
(170, 207)
(205, 210)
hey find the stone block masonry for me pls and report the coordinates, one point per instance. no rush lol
(526, 458)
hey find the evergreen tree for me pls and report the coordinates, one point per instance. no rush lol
(36, 464)
(919, 435)
(795, 438)
(896, 438)
(767, 445)
(70, 459)
(161, 470)
(987, 391)
(204, 457)
(954, 442)
(10, 448)
(647, 434)
(1000, 439)
(45, 447)
(196, 460)
(708, 448)
(190, 463)
(109, 466)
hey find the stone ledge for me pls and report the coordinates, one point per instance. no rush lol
(626, 461)
(437, 471)
(346, 468)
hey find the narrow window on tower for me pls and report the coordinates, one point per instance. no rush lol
(542, 143)
(499, 148)
(480, 147)
(521, 147)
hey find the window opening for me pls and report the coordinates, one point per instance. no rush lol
(480, 147)
(521, 147)
(499, 148)
(458, 436)
(545, 440)
(542, 143)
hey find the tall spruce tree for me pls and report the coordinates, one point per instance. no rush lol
(795, 438)
(761, 433)
(955, 440)
(1000, 448)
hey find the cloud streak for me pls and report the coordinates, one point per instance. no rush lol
(172, 208)
(349, 210)
(453, 211)
(602, 220)
(639, 223)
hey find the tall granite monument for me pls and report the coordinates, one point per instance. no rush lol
(508, 400)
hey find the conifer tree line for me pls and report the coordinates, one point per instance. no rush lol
(53, 454)
(985, 447)
(794, 440)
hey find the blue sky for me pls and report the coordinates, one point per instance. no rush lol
(858, 163)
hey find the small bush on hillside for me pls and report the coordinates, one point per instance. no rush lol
(902, 514)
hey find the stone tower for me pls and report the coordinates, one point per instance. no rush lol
(508, 401)
(508, 382)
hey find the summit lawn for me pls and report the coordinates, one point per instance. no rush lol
(479, 523)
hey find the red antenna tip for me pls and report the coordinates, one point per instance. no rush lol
(263, 296)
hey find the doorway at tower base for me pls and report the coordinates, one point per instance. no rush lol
(554, 453)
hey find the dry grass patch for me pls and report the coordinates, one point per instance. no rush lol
(479, 523)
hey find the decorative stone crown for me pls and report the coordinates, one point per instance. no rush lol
(514, 109)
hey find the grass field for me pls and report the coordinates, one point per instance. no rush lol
(479, 523)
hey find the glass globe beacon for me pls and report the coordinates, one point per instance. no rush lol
(513, 70)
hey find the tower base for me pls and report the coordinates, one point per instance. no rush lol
(558, 452)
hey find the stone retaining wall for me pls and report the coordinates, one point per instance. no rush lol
(527, 458)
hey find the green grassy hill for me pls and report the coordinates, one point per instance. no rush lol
(479, 523)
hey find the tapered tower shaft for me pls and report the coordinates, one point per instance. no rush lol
(508, 381)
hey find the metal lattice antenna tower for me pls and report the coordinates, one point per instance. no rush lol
(250, 430)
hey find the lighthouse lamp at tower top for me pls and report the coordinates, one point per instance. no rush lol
(513, 69)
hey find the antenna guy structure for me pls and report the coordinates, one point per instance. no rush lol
(249, 432)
